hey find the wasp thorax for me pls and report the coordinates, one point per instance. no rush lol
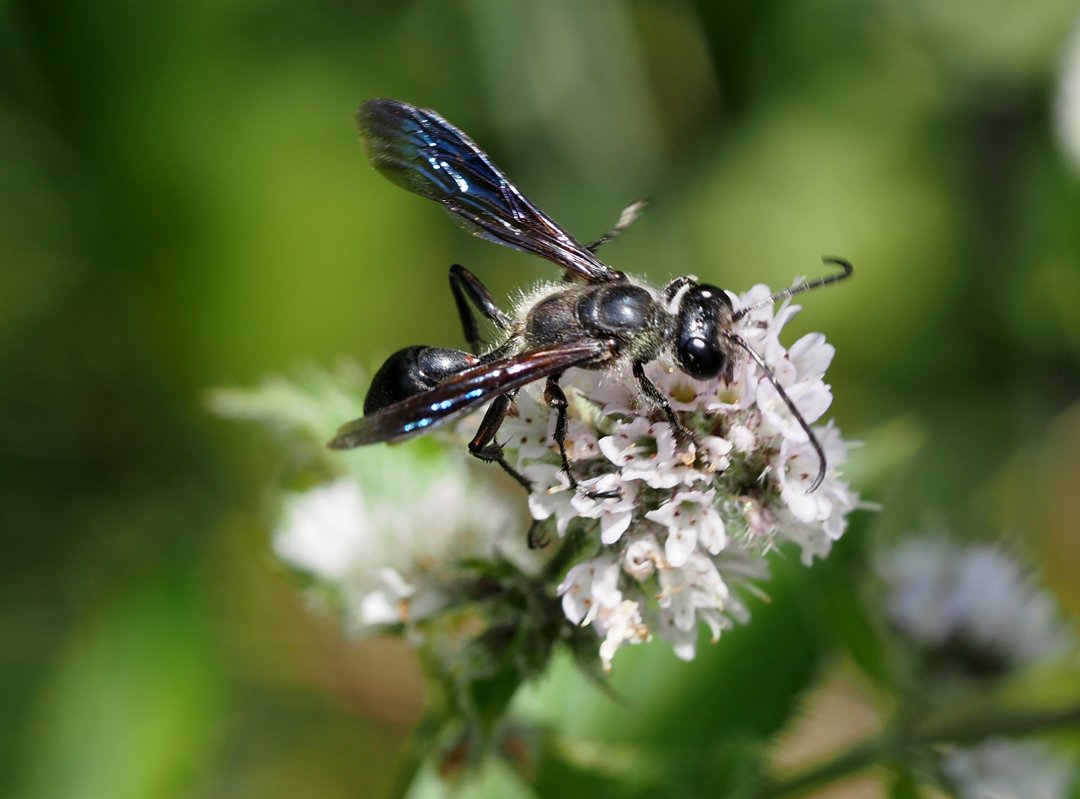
(617, 309)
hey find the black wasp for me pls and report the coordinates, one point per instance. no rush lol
(596, 318)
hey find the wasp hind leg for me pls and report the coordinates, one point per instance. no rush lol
(484, 446)
(467, 288)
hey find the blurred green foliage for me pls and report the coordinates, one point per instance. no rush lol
(183, 204)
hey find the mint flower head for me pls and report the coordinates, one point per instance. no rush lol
(970, 607)
(1001, 767)
(391, 563)
(679, 524)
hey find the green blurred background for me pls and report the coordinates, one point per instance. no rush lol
(184, 205)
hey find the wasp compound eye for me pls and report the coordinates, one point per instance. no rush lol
(703, 312)
(700, 358)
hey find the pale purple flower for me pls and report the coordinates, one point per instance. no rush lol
(1001, 768)
(972, 603)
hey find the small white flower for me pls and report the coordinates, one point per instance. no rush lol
(646, 450)
(811, 356)
(684, 590)
(690, 518)
(743, 439)
(796, 468)
(614, 512)
(819, 518)
(1004, 769)
(521, 431)
(551, 495)
(971, 602)
(624, 626)
(811, 398)
(692, 594)
(388, 604)
(643, 557)
(588, 587)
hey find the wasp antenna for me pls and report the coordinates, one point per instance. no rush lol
(791, 405)
(806, 285)
(628, 216)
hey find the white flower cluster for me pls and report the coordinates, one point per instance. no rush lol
(1004, 769)
(391, 562)
(972, 602)
(1067, 105)
(687, 522)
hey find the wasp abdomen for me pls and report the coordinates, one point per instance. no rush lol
(412, 370)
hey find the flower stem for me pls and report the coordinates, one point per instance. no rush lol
(1007, 724)
(854, 760)
(888, 746)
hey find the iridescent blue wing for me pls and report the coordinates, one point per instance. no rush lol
(464, 392)
(422, 152)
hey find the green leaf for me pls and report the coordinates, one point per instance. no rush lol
(745, 685)
(493, 778)
(489, 696)
(839, 600)
(570, 768)
(905, 786)
(560, 775)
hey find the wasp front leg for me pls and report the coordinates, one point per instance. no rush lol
(683, 434)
